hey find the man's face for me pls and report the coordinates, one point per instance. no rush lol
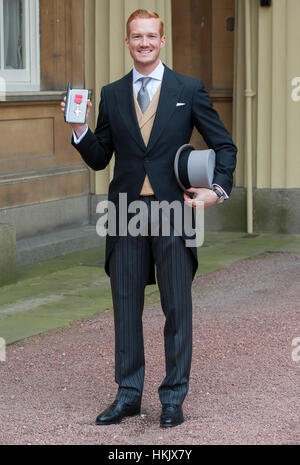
(145, 42)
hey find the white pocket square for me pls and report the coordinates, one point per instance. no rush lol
(179, 104)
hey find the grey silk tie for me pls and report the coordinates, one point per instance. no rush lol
(143, 96)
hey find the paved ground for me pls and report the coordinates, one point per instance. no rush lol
(244, 386)
(54, 293)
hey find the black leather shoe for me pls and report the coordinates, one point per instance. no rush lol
(116, 412)
(171, 415)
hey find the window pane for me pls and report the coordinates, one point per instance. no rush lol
(14, 34)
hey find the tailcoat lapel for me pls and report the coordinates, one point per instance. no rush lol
(125, 102)
(169, 96)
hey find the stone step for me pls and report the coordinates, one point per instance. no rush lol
(46, 246)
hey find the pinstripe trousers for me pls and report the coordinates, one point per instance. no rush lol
(129, 270)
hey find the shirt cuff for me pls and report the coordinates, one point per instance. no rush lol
(76, 139)
(222, 190)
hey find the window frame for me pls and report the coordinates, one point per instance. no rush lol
(27, 79)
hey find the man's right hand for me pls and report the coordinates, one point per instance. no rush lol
(78, 128)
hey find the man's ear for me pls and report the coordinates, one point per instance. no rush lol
(126, 42)
(163, 40)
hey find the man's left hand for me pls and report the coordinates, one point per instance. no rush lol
(201, 196)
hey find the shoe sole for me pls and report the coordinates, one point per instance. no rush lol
(171, 425)
(116, 422)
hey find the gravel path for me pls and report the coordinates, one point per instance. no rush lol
(244, 386)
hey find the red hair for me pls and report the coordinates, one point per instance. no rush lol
(145, 14)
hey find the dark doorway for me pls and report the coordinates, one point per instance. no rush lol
(203, 47)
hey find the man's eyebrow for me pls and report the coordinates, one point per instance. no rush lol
(147, 33)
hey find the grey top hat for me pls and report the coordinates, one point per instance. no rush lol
(194, 168)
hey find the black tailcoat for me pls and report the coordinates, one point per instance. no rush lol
(118, 132)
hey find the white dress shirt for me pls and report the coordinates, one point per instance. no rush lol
(152, 86)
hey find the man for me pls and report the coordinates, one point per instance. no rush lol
(144, 118)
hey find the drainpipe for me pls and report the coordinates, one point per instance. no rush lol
(249, 94)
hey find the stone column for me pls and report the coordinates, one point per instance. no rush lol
(276, 115)
(275, 62)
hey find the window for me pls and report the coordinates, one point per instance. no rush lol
(19, 44)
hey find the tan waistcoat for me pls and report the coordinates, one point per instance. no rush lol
(146, 121)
